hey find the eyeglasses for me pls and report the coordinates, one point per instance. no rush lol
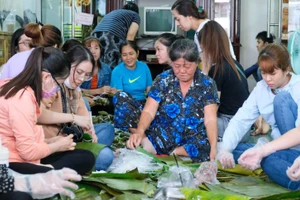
(26, 43)
(79, 74)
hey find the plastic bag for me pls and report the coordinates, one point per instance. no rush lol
(261, 141)
(207, 173)
(177, 177)
(128, 160)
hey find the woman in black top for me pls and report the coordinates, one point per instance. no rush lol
(228, 74)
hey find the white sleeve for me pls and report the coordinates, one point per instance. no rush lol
(241, 122)
(296, 96)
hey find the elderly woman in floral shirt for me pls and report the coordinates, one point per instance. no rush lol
(180, 113)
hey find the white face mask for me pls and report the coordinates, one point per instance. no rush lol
(68, 84)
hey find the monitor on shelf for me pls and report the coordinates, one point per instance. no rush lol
(156, 20)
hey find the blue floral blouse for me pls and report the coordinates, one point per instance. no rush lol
(179, 120)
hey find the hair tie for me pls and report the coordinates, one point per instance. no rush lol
(200, 9)
(40, 23)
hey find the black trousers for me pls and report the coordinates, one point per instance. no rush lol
(15, 196)
(82, 161)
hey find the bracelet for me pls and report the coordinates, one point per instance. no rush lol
(73, 116)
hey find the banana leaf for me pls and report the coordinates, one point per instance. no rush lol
(289, 195)
(248, 186)
(130, 196)
(111, 191)
(131, 185)
(91, 189)
(238, 169)
(134, 174)
(121, 185)
(155, 159)
(204, 195)
(95, 148)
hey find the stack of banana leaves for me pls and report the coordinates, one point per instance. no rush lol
(235, 184)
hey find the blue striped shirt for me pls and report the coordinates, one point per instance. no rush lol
(118, 22)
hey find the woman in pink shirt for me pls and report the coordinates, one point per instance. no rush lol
(20, 100)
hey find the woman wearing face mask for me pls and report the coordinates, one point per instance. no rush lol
(133, 79)
(47, 36)
(100, 82)
(189, 17)
(82, 64)
(20, 100)
(162, 45)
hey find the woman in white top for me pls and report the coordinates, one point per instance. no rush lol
(189, 17)
(276, 99)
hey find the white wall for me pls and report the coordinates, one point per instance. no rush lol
(253, 21)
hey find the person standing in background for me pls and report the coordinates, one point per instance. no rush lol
(189, 17)
(115, 28)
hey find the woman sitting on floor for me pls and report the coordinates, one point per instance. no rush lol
(100, 82)
(180, 115)
(162, 45)
(277, 99)
(227, 73)
(20, 100)
(133, 79)
(69, 100)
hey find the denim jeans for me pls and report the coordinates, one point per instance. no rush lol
(105, 133)
(285, 112)
(239, 150)
(276, 164)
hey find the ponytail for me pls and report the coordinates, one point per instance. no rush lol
(202, 13)
(264, 37)
(33, 31)
(47, 36)
(189, 8)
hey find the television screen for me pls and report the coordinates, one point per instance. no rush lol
(159, 20)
